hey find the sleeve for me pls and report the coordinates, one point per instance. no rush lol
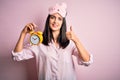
(23, 55)
(79, 60)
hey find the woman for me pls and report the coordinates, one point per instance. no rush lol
(54, 56)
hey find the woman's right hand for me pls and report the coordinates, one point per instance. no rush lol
(29, 27)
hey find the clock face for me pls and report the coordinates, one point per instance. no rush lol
(34, 39)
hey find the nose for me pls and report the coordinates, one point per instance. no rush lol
(55, 20)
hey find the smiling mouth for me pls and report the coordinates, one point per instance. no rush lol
(54, 25)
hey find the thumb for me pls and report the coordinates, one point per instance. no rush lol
(71, 28)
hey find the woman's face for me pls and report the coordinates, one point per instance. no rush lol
(55, 22)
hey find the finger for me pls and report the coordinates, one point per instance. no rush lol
(34, 25)
(29, 28)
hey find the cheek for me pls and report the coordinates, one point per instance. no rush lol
(60, 23)
(50, 22)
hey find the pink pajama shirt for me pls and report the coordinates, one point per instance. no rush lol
(53, 63)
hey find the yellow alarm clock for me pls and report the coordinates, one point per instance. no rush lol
(36, 37)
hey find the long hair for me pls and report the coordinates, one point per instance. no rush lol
(48, 36)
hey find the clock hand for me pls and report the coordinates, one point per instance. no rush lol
(35, 38)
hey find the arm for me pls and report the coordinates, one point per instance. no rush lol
(19, 46)
(84, 55)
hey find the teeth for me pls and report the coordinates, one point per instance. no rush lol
(54, 25)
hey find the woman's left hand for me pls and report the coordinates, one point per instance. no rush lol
(71, 35)
(82, 51)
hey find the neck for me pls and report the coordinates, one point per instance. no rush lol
(55, 35)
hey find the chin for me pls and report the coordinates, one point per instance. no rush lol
(55, 29)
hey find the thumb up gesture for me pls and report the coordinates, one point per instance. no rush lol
(71, 35)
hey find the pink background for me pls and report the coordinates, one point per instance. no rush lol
(96, 22)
